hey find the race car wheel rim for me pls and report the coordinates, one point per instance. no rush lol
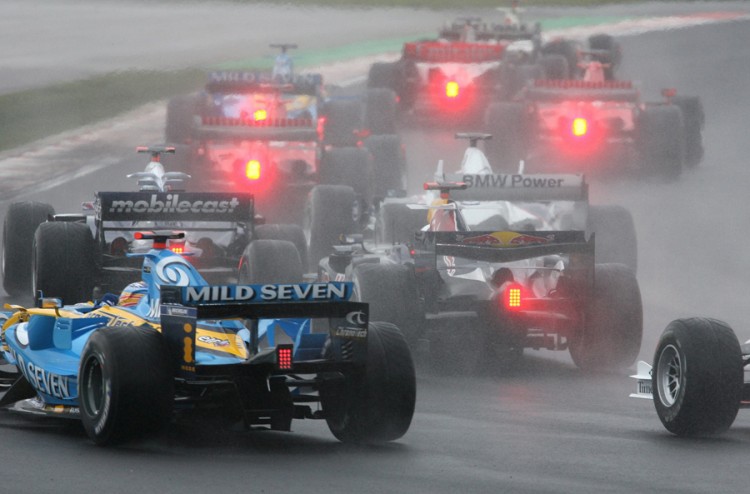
(92, 387)
(670, 375)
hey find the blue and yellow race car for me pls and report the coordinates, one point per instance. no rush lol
(173, 344)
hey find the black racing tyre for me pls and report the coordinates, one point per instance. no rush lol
(383, 75)
(616, 240)
(613, 56)
(270, 261)
(126, 384)
(63, 262)
(507, 123)
(381, 107)
(180, 113)
(350, 166)
(343, 118)
(611, 336)
(388, 165)
(291, 233)
(694, 119)
(391, 291)
(397, 223)
(661, 141)
(329, 213)
(555, 66)
(21, 222)
(567, 49)
(377, 404)
(697, 378)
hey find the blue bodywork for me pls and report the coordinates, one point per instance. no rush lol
(46, 344)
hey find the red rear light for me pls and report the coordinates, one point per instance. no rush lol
(452, 89)
(177, 249)
(260, 115)
(252, 170)
(513, 297)
(284, 357)
(579, 127)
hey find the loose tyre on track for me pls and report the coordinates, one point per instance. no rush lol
(697, 378)
(21, 222)
(378, 405)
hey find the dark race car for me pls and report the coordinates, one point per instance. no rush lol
(177, 346)
(504, 262)
(72, 256)
(278, 134)
(594, 125)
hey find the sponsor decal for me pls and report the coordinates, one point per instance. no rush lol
(464, 52)
(43, 381)
(268, 293)
(22, 334)
(514, 181)
(173, 271)
(359, 333)
(173, 204)
(264, 78)
(505, 239)
(210, 340)
(358, 318)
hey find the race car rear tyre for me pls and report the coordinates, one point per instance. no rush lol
(694, 119)
(507, 123)
(391, 291)
(661, 141)
(328, 214)
(291, 233)
(613, 56)
(126, 384)
(270, 261)
(697, 378)
(381, 107)
(568, 50)
(397, 223)
(525, 74)
(555, 66)
(63, 261)
(388, 165)
(180, 112)
(350, 166)
(611, 336)
(21, 222)
(383, 75)
(343, 118)
(616, 240)
(376, 404)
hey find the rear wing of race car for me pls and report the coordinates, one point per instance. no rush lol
(129, 207)
(508, 246)
(183, 306)
(542, 90)
(519, 187)
(459, 52)
(259, 81)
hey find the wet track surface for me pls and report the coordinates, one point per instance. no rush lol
(542, 427)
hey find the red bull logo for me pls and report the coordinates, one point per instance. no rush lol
(505, 239)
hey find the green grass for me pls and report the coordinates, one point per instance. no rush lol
(33, 114)
(36, 113)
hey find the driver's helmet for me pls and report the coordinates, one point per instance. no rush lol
(283, 68)
(132, 294)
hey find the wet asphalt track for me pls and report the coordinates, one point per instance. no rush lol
(544, 427)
